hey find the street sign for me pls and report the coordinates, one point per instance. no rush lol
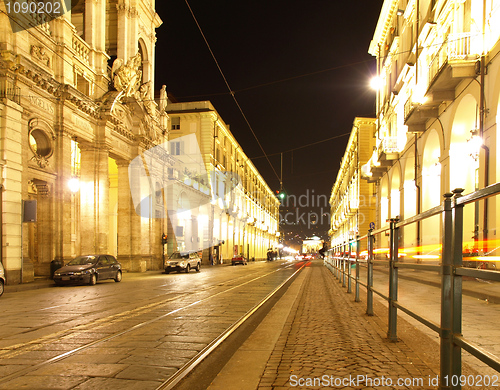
(372, 225)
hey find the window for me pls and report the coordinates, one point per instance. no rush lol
(176, 123)
(176, 148)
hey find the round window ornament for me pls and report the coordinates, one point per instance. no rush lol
(40, 139)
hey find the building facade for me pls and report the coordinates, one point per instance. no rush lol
(437, 112)
(76, 107)
(353, 200)
(242, 217)
(311, 245)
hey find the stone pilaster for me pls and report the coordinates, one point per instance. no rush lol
(11, 208)
(94, 198)
(62, 198)
(133, 239)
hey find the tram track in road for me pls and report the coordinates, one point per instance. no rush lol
(152, 310)
(154, 298)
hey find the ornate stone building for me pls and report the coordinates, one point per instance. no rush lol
(76, 106)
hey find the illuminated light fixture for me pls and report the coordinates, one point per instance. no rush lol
(400, 12)
(474, 144)
(376, 83)
(74, 184)
(419, 99)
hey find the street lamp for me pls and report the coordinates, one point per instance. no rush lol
(376, 83)
(74, 184)
(474, 144)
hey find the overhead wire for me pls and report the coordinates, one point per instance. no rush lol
(304, 146)
(231, 91)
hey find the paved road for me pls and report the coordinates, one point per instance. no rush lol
(129, 335)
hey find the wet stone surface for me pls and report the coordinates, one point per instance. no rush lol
(129, 335)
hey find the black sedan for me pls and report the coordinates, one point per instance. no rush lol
(89, 269)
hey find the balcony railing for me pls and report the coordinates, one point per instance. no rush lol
(9, 91)
(408, 109)
(82, 48)
(459, 46)
(389, 145)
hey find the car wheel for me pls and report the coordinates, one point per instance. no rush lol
(1, 287)
(93, 279)
(197, 267)
(188, 268)
(118, 277)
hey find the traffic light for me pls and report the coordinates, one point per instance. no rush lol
(163, 238)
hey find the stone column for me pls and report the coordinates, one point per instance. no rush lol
(122, 34)
(94, 198)
(125, 211)
(130, 223)
(62, 198)
(11, 209)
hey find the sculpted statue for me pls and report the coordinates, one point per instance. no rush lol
(127, 77)
(163, 99)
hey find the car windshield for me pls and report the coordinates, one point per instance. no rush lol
(178, 256)
(83, 260)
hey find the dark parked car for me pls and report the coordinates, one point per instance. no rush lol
(183, 261)
(2, 279)
(89, 269)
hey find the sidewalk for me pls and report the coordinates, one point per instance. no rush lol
(325, 341)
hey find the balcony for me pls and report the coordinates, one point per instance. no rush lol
(388, 150)
(369, 173)
(417, 114)
(455, 60)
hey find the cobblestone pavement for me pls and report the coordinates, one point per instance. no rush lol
(328, 342)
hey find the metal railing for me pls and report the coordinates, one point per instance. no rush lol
(9, 90)
(343, 258)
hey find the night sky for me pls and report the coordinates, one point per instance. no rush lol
(300, 71)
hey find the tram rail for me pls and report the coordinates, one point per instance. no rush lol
(214, 290)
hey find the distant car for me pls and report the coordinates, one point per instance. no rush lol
(89, 269)
(2, 279)
(183, 261)
(238, 260)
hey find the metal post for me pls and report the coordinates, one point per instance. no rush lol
(356, 298)
(343, 265)
(393, 280)
(369, 276)
(446, 344)
(456, 325)
(337, 275)
(349, 288)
